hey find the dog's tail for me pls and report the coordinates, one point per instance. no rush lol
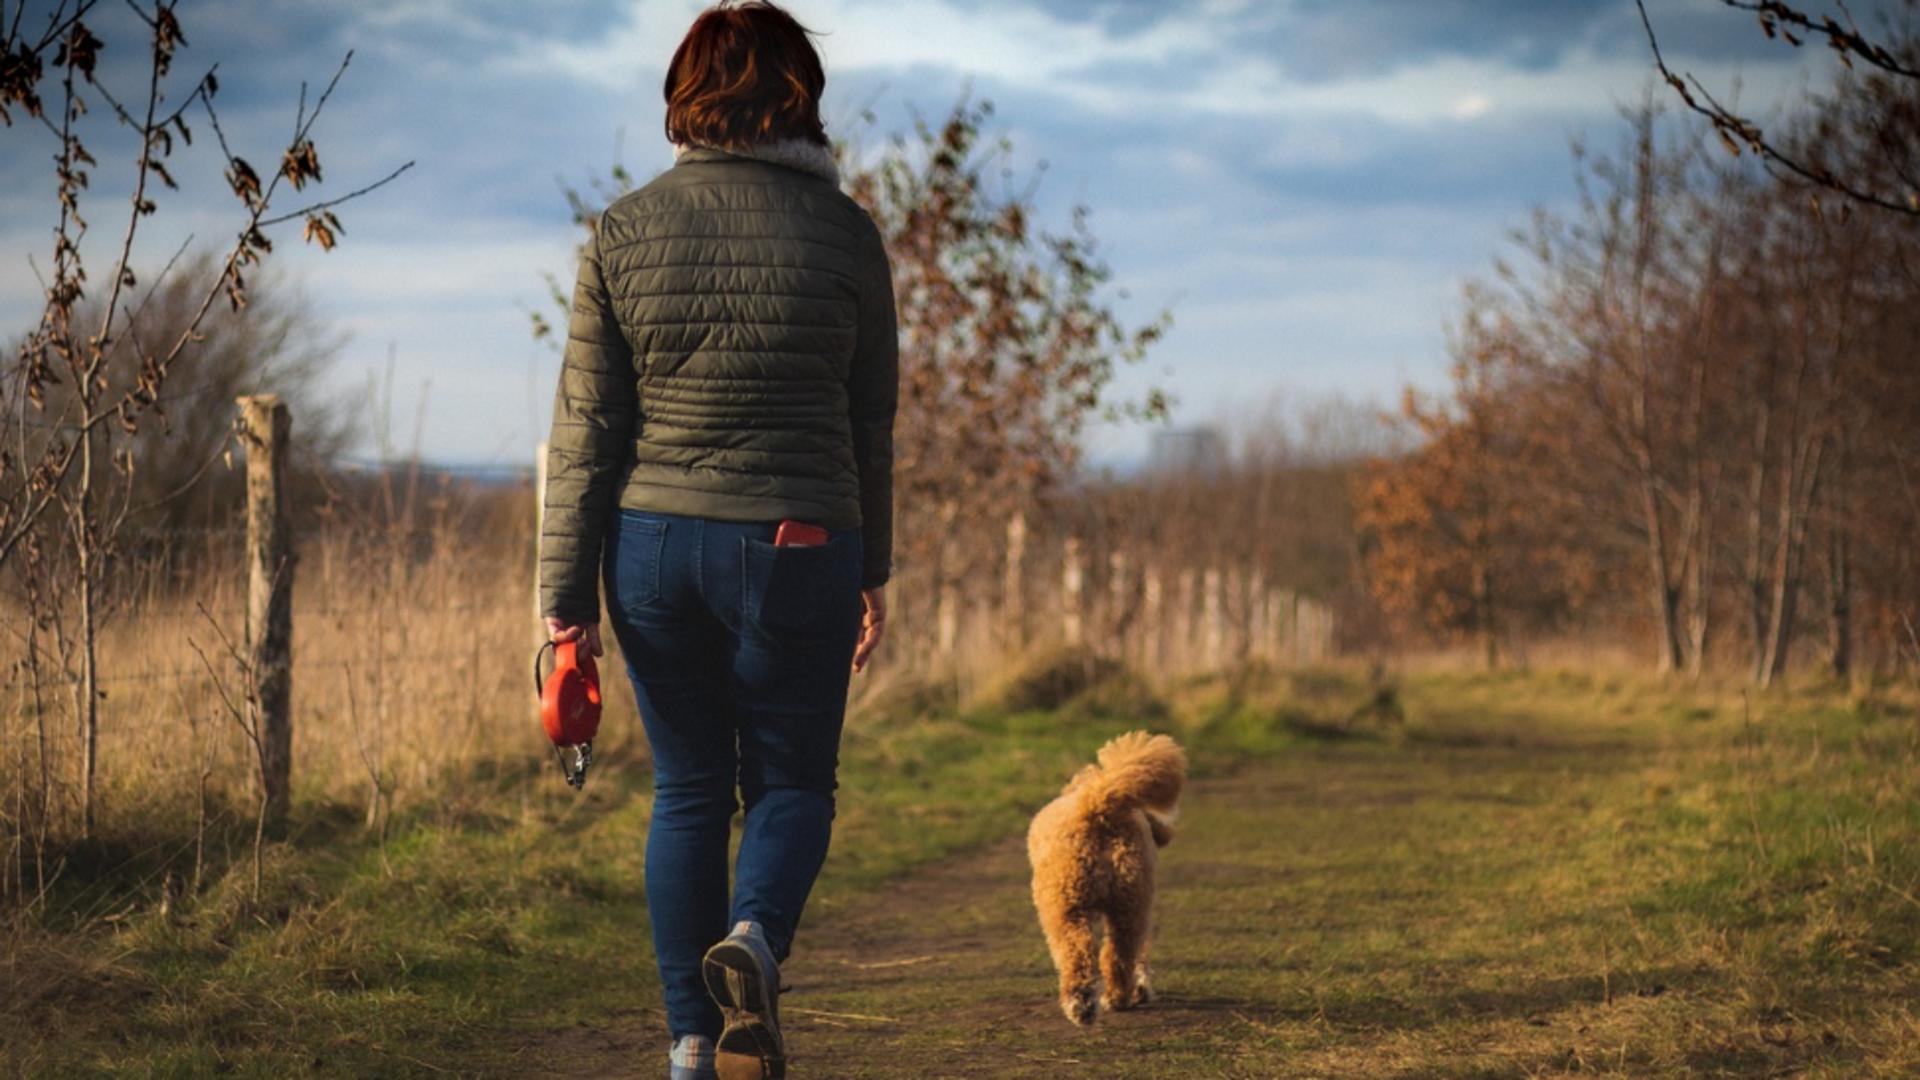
(1137, 771)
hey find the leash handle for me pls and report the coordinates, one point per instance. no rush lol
(539, 680)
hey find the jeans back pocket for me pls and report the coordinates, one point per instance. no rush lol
(634, 553)
(801, 588)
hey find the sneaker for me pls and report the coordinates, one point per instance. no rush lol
(691, 1059)
(745, 982)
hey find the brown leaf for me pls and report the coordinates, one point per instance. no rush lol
(246, 182)
(317, 230)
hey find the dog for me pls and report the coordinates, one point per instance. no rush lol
(1093, 851)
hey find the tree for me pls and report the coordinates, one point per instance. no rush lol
(1008, 345)
(59, 449)
(1454, 532)
(1619, 304)
(276, 344)
(1712, 401)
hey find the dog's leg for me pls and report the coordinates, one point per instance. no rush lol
(1123, 956)
(1070, 940)
(1143, 984)
(1142, 980)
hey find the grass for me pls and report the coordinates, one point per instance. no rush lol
(1536, 876)
(1510, 875)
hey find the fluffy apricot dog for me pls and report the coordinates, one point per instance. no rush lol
(1093, 853)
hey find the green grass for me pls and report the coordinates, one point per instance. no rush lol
(1505, 875)
(1536, 876)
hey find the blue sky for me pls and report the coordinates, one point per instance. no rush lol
(1305, 183)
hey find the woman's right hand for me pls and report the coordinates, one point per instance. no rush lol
(872, 625)
(559, 631)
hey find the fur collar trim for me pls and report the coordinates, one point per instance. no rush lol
(801, 154)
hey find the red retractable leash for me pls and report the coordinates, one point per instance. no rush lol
(569, 706)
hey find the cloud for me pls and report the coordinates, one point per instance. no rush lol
(1312, 173)
(1471, 107)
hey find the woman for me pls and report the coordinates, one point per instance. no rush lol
(731, 362)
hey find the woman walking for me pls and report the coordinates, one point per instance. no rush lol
(731, 364)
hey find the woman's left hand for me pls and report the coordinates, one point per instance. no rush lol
(559, 631)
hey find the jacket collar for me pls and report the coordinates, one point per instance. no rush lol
(806, 156)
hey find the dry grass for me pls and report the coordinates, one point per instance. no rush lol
(412, 693)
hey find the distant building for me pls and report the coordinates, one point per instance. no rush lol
(1199, 449)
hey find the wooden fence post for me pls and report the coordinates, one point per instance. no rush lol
(946, 592)
(1151, 632)
(1072, 575)
(1296, 642)
(1215, 622)
(947, 618)
(1232, 614)
(265, 425)
(1013, 593)
(1255, 622)
(1183, 622)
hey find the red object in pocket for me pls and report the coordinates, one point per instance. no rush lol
(791, 533)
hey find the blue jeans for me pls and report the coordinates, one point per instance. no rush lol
(740, 654)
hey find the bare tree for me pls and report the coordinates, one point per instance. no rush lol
(57, 452)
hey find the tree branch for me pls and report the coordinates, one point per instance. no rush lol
(319, 206)
(1735, 129)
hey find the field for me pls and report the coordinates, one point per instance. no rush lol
(1435, 874)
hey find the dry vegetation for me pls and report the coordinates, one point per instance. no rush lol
(1688, 421)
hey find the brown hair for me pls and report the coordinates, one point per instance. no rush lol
(745, 73)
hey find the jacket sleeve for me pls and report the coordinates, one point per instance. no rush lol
(594, 412)
(873, 393)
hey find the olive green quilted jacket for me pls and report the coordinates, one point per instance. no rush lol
(732, 353)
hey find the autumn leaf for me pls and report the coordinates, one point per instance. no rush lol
(317, 231)
(79, 51)
(300, 164)
(245, 182)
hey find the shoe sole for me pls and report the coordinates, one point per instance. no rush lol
(750, 1047)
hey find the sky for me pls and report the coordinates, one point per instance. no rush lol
(1304, 184)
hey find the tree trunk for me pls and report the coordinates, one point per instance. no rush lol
(1483, 624)
(1840, 562)
(1666, 598)
(1840, 604)
(1799, 483)
(1756, 530)
(85, 543)
(1699, 589)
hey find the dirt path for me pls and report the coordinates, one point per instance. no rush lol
(944, 973)
(1449, 906)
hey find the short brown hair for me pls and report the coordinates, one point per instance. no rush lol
(745, 73)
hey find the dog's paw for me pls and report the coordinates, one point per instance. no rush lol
(1079, 1006)
(1120, 1001)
